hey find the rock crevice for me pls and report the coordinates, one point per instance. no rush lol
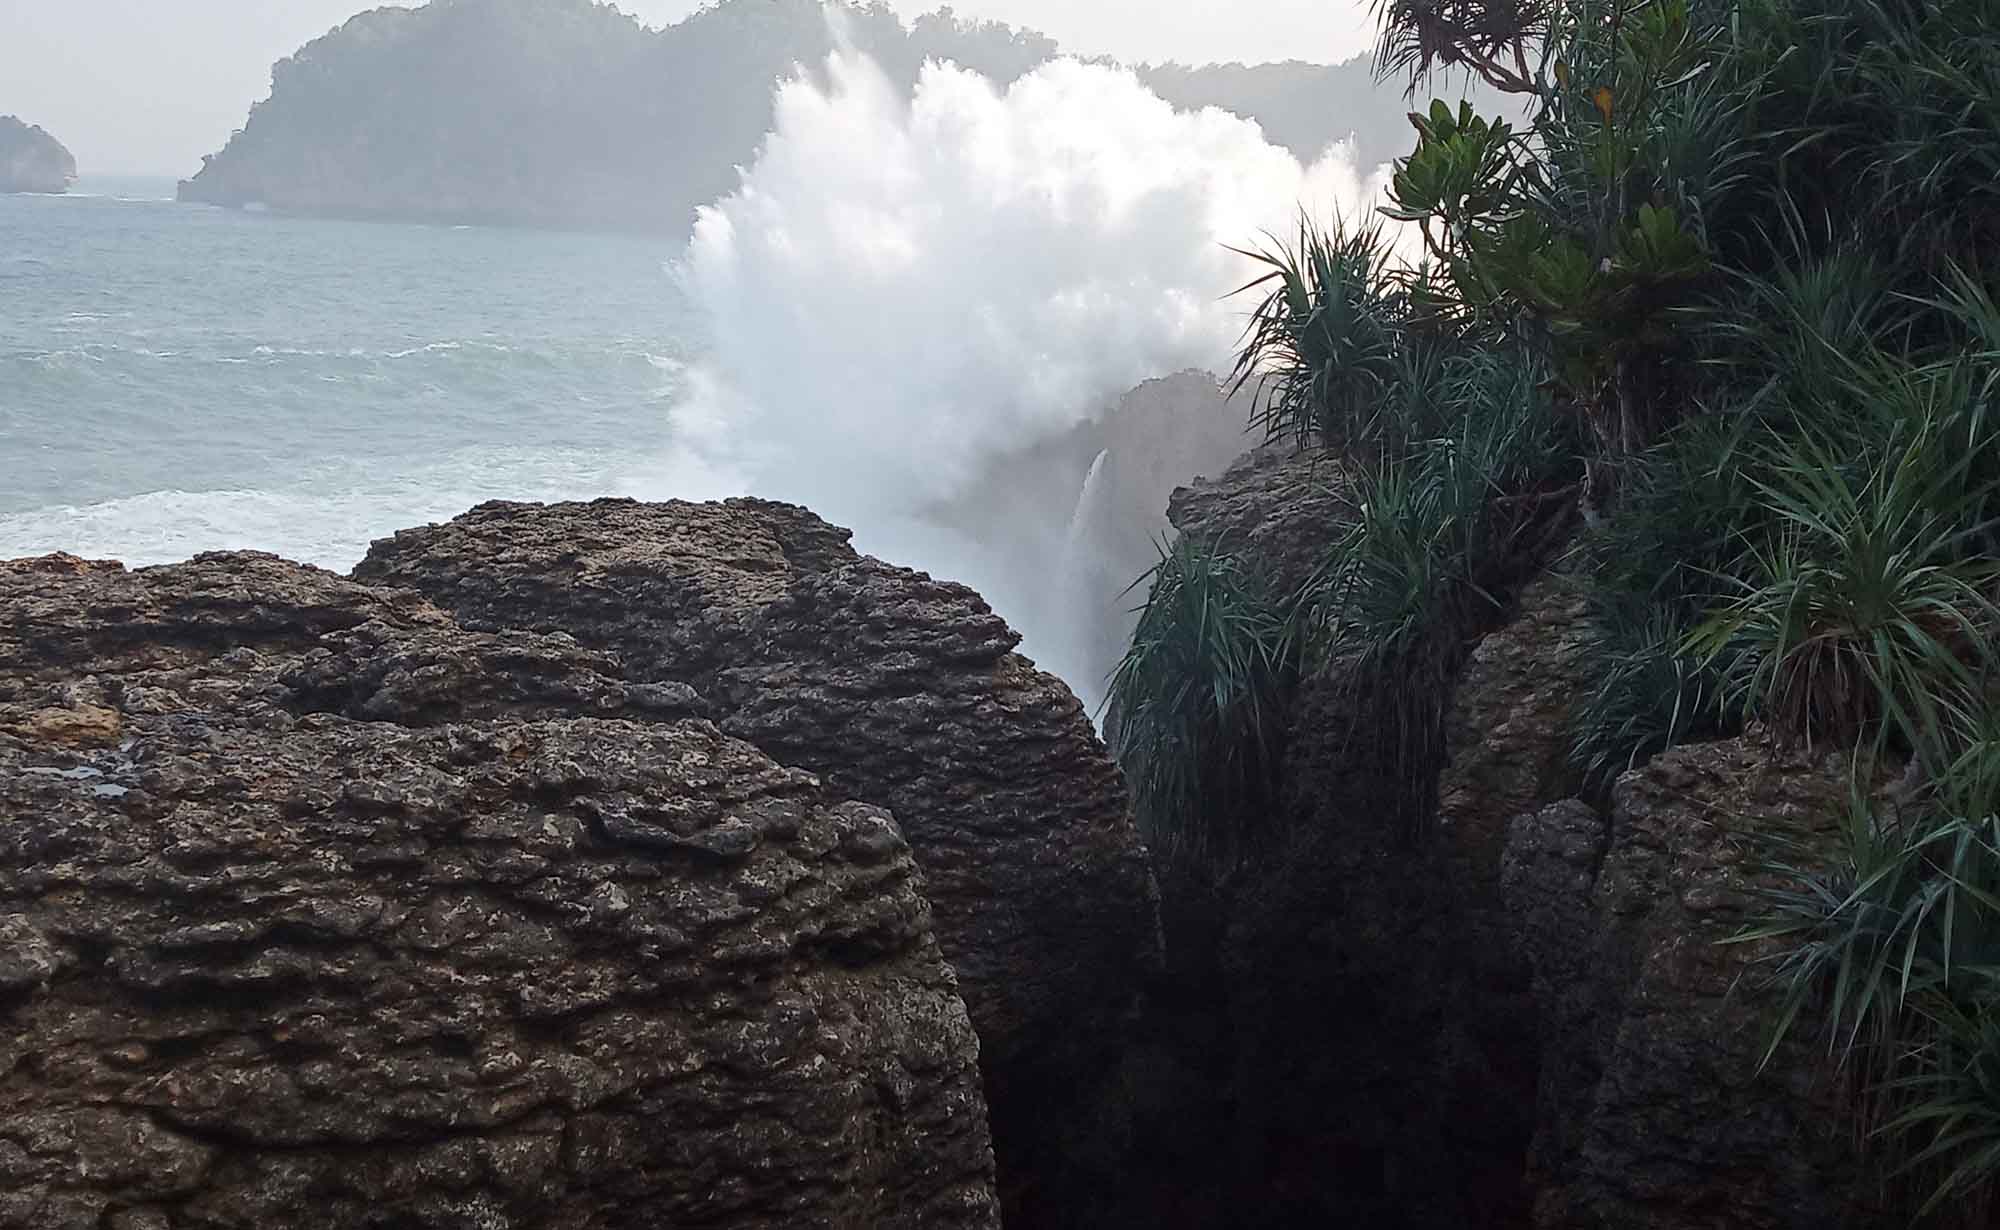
(1528, 1017)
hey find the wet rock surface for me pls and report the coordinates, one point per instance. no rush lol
(572, 901)
(894, 688)
(1653, 1111)
(1506, 731)
(31, 160)
(318, 910)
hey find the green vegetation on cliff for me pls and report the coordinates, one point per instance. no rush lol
(1722, 316)
(569, 113)
(31, 160)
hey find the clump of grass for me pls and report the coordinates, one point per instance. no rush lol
(1439, 531)
(1443, 530)
(1894, 951)
(1647, 695)
(1324, 344)
(1863, 614)
(1199, 698)
(1646, 573)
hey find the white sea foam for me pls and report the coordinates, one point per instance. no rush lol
(59, 357)
(328, 519)
(905, 289)
(428, 348)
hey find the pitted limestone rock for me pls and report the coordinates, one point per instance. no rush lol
(895, 688)
(358, 918)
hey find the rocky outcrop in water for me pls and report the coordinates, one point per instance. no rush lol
(319, 910)
(31, 160)
(570, 113)
(895, 689)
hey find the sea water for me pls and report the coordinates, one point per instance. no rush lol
(178, 378)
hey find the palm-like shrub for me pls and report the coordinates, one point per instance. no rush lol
(1950, 1120)
(1324, 346)
(1868, 611)
(1386, 614)
(1491, 38)
(1647, 694)
(1797, 341)
(1437, 527)
(1198, 701)
(1440, 533)
(1437, 520)
(1684, 506)
(1889, 112)
(1590, 227)
(1646, 574)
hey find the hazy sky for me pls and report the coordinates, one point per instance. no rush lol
(146, 87)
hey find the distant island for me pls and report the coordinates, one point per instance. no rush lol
(31, 160)
(570, 113)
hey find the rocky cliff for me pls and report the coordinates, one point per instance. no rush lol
(320, 910)
(31, 160)
(1382, 1068)
(1646, 1025)
(895, 689)
(1080, 516)
(1653, 1110)
(1525, 1018)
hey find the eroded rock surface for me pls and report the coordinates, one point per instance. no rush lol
(1643, 1037)
(1537, 1023)
(317, 910)
(896, 689)
(1506, 729)
(1278, 504)
(1653, 1112)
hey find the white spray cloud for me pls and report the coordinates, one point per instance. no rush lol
(907, 288)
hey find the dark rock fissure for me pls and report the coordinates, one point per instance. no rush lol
(1527, 1019)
